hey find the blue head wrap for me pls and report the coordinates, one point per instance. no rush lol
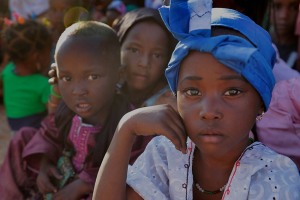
(190, 22)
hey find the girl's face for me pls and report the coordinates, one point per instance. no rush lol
(218, 106)
(144, 54)
(86, 79)
(284, 15)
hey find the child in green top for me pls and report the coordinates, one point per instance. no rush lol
(25, 87)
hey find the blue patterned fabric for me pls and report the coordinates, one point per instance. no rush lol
(190, 22)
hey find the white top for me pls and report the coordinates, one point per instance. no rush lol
(162, 172)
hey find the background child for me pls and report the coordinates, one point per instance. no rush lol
(25, 87)
(283, 17)
(216, 159)
(144, 57)
(86, 119)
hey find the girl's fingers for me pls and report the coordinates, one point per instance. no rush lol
(52, 80)
(161, 120)
(52, 73)
(55, 173)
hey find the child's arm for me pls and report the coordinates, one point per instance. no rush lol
(74, 190)
(159, 120)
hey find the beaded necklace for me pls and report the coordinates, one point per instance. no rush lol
(210, 192)
(251, 140)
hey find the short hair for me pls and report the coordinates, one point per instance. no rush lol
(101, 32)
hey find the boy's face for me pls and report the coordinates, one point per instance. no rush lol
(86, 79)
(218, 106)
(284, 15)
(144, 54)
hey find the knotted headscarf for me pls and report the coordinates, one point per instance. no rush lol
(190, 22)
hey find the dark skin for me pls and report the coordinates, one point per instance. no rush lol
(86, 81)
(144, 59)
(209, 100)
(144, 56)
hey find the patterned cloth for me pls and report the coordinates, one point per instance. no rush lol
(282, 120)
(162, 172)
(80, 136)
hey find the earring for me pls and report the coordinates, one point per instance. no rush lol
(259, 117)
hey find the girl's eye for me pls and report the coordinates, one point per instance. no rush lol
(156, 55)
(133, 50)
(232, 92)
(66, 78)
(93, 77)
(192, 92)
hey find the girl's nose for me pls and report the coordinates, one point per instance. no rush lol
(209, 108)
(79, 89)
(144, 60)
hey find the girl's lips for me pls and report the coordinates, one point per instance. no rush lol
(211, 138)
(82, 107)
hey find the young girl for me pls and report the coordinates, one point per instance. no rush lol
(85, 120)
(144, 54)
(25, 87)
(144, 57)
(223, 80)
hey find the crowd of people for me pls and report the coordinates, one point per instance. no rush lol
(128, 99)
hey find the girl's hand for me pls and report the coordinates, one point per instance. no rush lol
(152, 120)
(55, 97)
(53, 75)
(158, 120)
(47, 171)
(74, 190)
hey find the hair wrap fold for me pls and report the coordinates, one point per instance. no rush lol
(190, 22)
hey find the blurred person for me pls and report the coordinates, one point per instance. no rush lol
(115, 10)
(25, 86)
(283, 16)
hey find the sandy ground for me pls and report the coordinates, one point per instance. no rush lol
(4, 133)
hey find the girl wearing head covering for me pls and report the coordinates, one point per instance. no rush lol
(144, 57)
(221, 72)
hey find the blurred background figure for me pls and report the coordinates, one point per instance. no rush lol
(283, 17)
(25, 87)
(115, 10)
